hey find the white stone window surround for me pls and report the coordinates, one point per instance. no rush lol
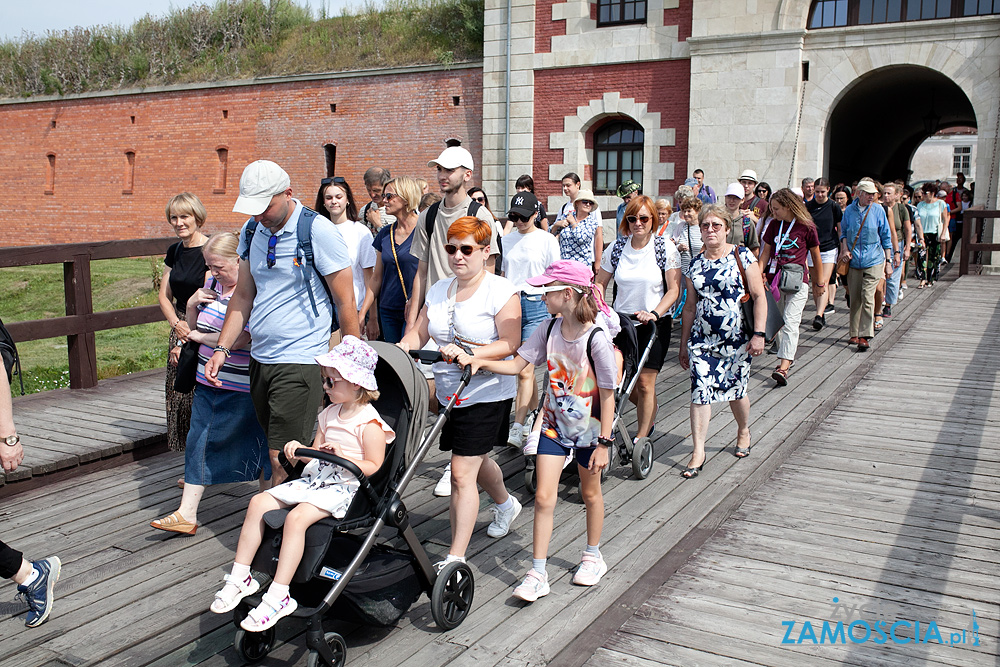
(586, 44)
(573, 143)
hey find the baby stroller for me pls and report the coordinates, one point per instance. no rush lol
(344, 573)
(624, 451)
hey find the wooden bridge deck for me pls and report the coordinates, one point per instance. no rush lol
(133, 596)
(888, 511)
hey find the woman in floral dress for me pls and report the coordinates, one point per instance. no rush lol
(713, 344)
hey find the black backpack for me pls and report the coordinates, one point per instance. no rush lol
(11, 360)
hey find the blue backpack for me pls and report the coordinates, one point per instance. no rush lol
(303, 252)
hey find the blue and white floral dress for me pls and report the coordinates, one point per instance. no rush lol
(717, 348)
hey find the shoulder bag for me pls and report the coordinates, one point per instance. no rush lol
(843, 264)
(187, 363)
(775, 320)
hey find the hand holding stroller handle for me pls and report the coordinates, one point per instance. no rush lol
(330, 457)
(427, 356)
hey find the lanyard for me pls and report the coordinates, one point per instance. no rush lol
(773, 264)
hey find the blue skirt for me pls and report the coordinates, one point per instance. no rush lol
(225, 443)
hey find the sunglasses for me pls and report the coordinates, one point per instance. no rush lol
(328, 382)
(711, 225)
(632, 219)
(515, 217)
(467, 250)
(585, 202)
(558, 288)
(339, 180)
(761, 191)
(271, 244)
(481, 200)
(389, 195)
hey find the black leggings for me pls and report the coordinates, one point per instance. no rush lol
(10, 561)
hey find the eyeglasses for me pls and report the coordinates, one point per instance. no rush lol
(389, 195)
(338, 180)
(515, 217)
(467, 250)
(632, 219)
(711, 225)
(271, 244)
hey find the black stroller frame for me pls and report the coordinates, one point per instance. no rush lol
(624, 450)
(451, 589)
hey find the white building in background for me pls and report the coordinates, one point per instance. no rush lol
(946, 154)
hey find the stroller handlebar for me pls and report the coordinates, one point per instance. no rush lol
(433, 357)
(330, 457)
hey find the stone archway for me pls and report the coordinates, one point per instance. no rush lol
(881, 119)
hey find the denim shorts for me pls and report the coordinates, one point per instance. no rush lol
(547, 445)
(533, 313)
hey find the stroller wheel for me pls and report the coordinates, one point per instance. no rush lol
(337, 646)
(530, 483)
(452, 596)
(642, 458)
(254, 646)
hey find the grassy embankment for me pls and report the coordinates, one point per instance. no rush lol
(240, 39)
(36, 292)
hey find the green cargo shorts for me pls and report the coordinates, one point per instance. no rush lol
(286, 398)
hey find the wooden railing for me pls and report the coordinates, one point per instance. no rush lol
(81, 322)
(974, 222)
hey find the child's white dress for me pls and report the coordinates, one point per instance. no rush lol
(326, 485)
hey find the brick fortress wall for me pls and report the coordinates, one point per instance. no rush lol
(396, 119)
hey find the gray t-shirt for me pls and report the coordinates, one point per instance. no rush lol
(436, 257)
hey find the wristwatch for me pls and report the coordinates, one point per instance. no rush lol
(607, 442)
(759, 333)
(12, 440)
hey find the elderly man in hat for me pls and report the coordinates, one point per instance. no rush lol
(284, 295)
(626, 191)
(865, 240)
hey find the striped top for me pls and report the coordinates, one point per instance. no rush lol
(235, 373)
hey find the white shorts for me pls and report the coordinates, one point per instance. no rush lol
(827, 257)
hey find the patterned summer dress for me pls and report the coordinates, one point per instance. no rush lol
(717, 348)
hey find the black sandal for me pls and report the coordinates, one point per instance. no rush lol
(692, 472)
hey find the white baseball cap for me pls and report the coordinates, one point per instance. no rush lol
(749, 174)
(735, 190)
(261, 180)
(453, 157)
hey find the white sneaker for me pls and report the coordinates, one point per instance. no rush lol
(591, 569)
(443, 488)
(534, 586)
(441, 564)
(531, 443)
(516, 436)
(233, 592)
(502, 520)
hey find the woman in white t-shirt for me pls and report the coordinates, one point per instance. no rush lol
(337, 201)
(481, 312)
(640, 277)
(527, 250)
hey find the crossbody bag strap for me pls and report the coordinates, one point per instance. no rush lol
(860, 227)
(743, 273)
(395, 257)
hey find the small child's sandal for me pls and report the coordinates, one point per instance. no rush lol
(268, 613)
(233, 593)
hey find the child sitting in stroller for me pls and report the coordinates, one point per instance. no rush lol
(350, 428)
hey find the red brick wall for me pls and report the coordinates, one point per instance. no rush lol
(664, 86)
(399, 121)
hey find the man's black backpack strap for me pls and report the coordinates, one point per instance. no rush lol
(432, 214)
(304, 252)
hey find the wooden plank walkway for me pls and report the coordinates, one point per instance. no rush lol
(66, 429)
(888, 511)
(132, 596)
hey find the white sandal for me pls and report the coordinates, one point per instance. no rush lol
(268, 613)
(232, 593)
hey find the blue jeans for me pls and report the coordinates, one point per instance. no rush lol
(892, 286)
(391, 324)
(533, 313)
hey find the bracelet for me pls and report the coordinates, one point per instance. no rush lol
(653, 312)
(897, 253)
(607, 442)
(223, 349)
(818, 285)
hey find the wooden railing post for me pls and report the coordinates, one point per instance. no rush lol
(79, 301)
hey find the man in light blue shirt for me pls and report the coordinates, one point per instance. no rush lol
(287, 302)
(870, 253)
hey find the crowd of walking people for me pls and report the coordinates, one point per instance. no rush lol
(269, 322)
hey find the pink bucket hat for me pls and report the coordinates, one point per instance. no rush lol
(354, 359)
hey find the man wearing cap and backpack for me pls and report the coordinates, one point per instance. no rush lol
(295, 269)
(752, 205)
(454, 172)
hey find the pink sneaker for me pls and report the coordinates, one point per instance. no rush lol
(591, 569)
(534, 586)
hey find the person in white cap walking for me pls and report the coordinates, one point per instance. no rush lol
(292, 257)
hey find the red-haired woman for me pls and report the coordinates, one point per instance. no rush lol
(480, 311)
